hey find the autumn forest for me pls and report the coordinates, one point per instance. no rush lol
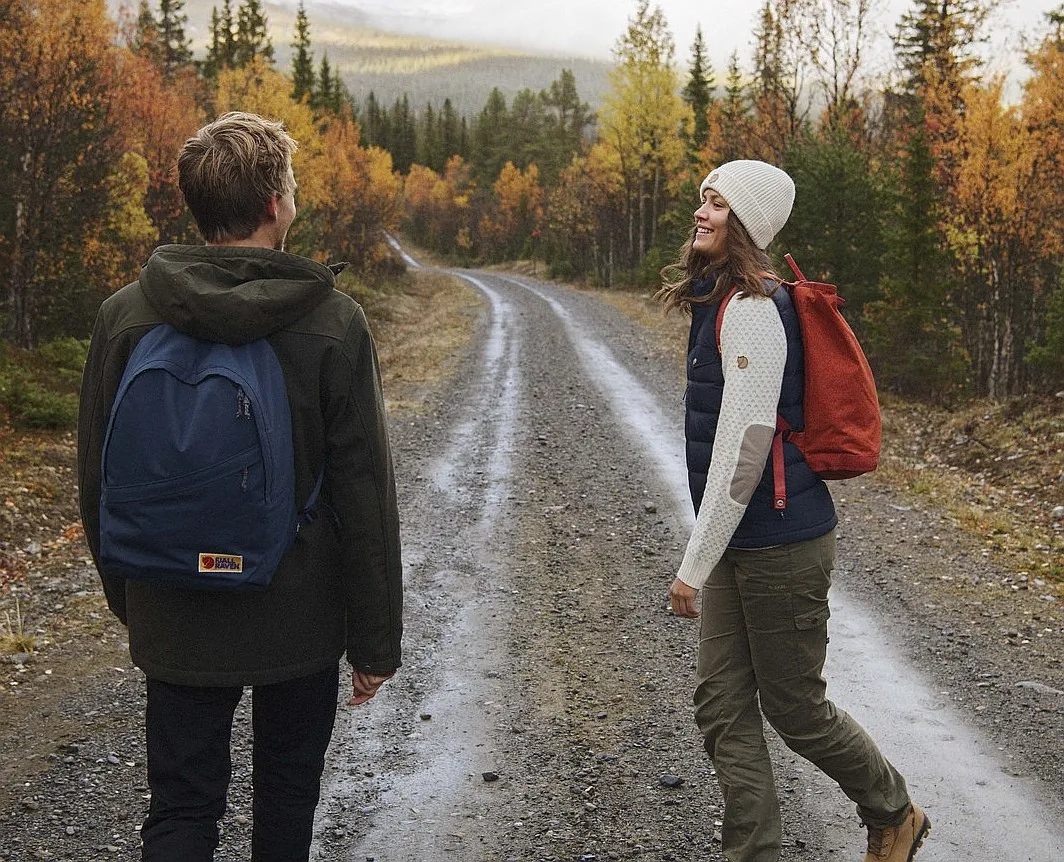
(935, 202)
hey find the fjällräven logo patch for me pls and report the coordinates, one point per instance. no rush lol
(220, 563)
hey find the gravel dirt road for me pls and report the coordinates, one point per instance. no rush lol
(543, 710)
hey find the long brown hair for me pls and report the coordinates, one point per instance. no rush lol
(745, 267)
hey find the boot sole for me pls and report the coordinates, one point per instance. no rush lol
(918, 840)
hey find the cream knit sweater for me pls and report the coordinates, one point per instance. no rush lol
(753, 353)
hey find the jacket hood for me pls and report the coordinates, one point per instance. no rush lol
(232, 294)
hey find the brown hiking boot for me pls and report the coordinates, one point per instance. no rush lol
(898, 843)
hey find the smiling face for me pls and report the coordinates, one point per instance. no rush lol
(711, 227)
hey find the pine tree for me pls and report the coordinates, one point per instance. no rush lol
(912, 338)
(147, 41)
(341, 95)
(528, 130)
(176, 46)
(570, 119)
(302, 58)
(490, 144)
(252, 34)
(935, 47)
(940, 36)
(840, 222)
(372, 126)
(1055, 20)
(698, 92)
(781, 61)
(403, 135)
(227, 33)
(328, 93)
(734, 113)
(210, 65)
(428, 140)
(924, 306)
(450, 133)
(221, 49)
(463, 138)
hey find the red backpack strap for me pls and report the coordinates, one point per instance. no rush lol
(720, 312)
(779, 471)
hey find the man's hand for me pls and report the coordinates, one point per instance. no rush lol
(684, 600)
(365, 686)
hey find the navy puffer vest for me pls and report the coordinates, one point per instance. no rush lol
(810, 511)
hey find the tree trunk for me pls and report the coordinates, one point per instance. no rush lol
(654, 205)
(18, 325)
(609, 265)
(631, 229)
(642, 218)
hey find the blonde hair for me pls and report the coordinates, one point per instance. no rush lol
(230, 169)
(745, 267)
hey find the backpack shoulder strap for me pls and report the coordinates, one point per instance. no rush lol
(720, 312)
(794, 268)
(309, 512)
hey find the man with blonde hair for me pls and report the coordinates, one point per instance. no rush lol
(336, 590)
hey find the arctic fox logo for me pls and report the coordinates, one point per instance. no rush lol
(221, 563)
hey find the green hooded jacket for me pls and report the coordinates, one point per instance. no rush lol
(340, 586)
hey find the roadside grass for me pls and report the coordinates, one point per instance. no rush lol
(420, 322)
(13, 637)
(38, 517)
(996, 467)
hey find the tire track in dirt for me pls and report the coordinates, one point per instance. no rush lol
(414, 761)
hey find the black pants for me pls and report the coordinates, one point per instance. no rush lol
(189, 766)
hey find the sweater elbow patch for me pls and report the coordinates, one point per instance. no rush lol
(757, 442)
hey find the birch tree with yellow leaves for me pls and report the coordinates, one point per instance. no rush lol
(645, 122)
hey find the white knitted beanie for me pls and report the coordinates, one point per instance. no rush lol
(759, 194)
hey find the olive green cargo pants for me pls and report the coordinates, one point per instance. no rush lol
(764, 637)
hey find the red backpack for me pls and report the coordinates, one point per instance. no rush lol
(842, 430)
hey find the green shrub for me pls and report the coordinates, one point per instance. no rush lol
(1047, 357)
(64, 353)
(39, 388)
(647, 273)
(29, 405)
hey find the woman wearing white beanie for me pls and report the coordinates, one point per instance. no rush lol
(764, 571)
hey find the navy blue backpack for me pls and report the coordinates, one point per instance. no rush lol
(198, 474)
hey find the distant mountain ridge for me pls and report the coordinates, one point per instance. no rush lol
(426, 70)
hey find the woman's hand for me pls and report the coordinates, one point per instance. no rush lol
(684, 600)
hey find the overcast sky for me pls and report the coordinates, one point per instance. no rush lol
(591, 27)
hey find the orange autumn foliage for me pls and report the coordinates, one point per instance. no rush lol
(515, 211)
(157, 119)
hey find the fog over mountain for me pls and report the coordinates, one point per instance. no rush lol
(590, 28)
(460, 49)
